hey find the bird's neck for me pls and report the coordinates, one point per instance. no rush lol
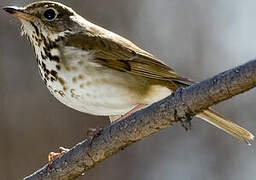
(46, 47)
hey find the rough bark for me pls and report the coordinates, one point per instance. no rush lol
(181, 106)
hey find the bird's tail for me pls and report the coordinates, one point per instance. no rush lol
(221, 122)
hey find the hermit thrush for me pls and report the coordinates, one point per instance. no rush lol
(96, 71)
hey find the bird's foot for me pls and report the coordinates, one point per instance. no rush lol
(186, 123)
(52, 155)
(91, 132)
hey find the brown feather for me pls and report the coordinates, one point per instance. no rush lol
(116, 52)
(120, 54)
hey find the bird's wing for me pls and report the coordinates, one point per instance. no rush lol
(116, 52)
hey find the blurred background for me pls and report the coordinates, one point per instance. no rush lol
(198, 38)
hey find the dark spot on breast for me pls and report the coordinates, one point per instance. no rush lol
(54, 58)
(61, 93)
(46, 76)
(49, 45)
(81, 76)
(73, 94)
(46, 51)
(74, 80)
(54, 73)
(43, 56)
(43, 66)
(52, 45)
(39, 40)
(53, 79)
(61, 80)
(58, 67)
(47, 71)
(67, 68)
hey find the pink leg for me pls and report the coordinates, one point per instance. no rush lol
(52, 155)
(133, 110)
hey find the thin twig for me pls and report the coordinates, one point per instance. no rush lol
(182, 105)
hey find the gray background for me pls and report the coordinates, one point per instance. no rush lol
(199, 38)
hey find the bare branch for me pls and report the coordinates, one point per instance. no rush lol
(181, 105)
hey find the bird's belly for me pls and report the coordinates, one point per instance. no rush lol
(86, 86)
(103, 93)
(98, 100)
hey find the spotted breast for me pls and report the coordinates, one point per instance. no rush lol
(76, 80)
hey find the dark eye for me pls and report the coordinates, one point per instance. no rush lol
(50, 14)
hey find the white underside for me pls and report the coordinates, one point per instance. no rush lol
(116, 101)
(96, 89)
(100, 92)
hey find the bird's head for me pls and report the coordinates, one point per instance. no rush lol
(46, 19)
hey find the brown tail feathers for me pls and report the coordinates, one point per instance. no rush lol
(221, 122)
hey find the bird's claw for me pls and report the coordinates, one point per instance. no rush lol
(186, 123)
(52, 155)
(91, 132)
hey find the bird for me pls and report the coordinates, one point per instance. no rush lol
(99, 72)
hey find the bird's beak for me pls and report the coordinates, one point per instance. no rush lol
(18, 12)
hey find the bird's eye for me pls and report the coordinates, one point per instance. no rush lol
(50, 14)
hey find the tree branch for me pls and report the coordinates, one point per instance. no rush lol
(182, 105)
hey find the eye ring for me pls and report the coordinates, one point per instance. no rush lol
(50, 14)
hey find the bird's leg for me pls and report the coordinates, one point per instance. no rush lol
(133, 110)
(52, 155)
(91, 132)
(186, 123)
